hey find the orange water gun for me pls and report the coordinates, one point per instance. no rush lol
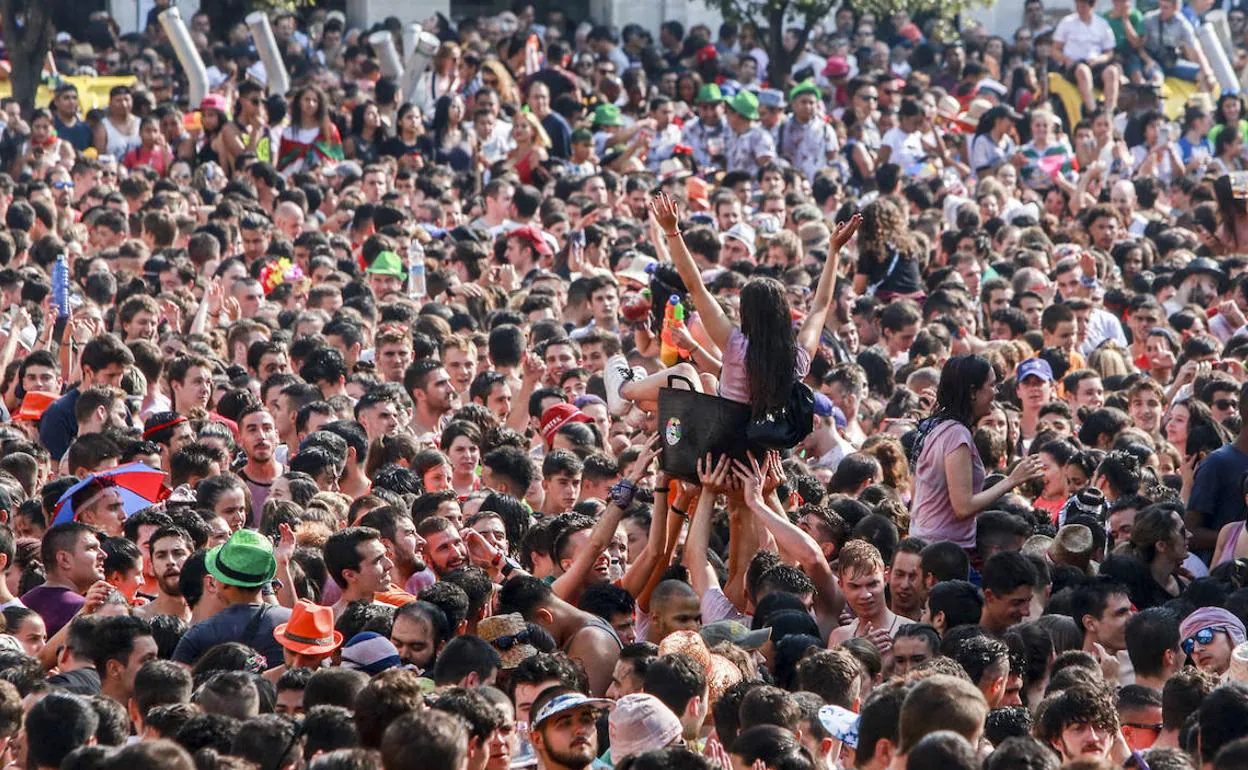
(673, 318)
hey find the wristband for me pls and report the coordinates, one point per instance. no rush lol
(678, 512)
(622, 493)
(664, 490)
(672, 234)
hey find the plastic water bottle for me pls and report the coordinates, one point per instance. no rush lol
(416, 269)
(60, 286)
(524, 755)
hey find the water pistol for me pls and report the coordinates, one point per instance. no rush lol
(673, 318)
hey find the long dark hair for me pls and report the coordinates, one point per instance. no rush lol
(990, 118)
(442, 120)
(357, 120)
(955, 397)
(296, 107)
(767, 323)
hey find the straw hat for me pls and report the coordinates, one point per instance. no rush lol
(688, 642)
(1038, 545)
(1072, 546)
(508, 634)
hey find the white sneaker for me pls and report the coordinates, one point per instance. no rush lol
(614, 376)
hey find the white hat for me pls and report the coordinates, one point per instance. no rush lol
(744, 233)
(639, 723)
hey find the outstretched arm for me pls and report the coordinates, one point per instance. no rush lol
(638, 573)
(701, 575)
(571, 583)
(791, 541)
(713, 317)
(808, 336)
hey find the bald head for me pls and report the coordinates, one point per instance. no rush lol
(674, 606)
(288, 218)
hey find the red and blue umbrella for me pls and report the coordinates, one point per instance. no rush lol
(140, 486)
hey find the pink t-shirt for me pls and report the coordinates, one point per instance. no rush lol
(734, 382)
(931, 512)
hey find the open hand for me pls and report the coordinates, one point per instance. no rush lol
(845, 231)
(642, 464)
(665, 211)
(715, 477)
(285, 550)
(752, 479)
(1030, 467)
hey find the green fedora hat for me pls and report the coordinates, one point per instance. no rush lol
(607, 115)
(387, 263)
(709, 94)
(745, 104)
(245, 560)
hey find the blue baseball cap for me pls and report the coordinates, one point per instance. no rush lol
(1035, 367)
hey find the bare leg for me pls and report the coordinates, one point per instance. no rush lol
(647, 389)
(1112, 79)
(1083, 79)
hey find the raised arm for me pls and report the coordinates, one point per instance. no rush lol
(791, 541)
(812, 327)
(571, 583)
(701, 574)
(713, 317)
(638, 573)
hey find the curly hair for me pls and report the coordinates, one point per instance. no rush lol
(884, 225)
(1081, 704)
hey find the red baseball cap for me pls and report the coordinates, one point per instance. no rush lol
(534, 237)
(558, 415)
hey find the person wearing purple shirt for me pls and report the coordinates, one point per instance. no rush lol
(72, 555)
(948, 472)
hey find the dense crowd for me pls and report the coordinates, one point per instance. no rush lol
(588, 398)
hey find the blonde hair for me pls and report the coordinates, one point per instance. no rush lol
(507, 91)
(540, 137)
(1109, 361)
(858, 557)
(448, 50)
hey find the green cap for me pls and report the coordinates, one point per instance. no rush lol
(607, 115)
(709, 94)
(245, 560)
(582, 135)
(387, 263)
(805, 87)
(745, 104)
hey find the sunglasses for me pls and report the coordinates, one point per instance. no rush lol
(1202, 637)
(62, 185)
(1136, 725)
(1227, 403)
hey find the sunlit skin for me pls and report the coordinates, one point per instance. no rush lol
(32, 634)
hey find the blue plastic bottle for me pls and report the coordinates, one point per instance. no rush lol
(60, 286)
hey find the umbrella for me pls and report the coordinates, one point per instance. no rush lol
(140, 485)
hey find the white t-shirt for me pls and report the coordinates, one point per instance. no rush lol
(907, 150)
(1080, 41)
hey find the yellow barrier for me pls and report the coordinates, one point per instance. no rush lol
(1174, 93)
(92, 91)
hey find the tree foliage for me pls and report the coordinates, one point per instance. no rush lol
(28, 35)
(804, 16)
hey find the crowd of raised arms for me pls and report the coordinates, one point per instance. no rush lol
(582, 398)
